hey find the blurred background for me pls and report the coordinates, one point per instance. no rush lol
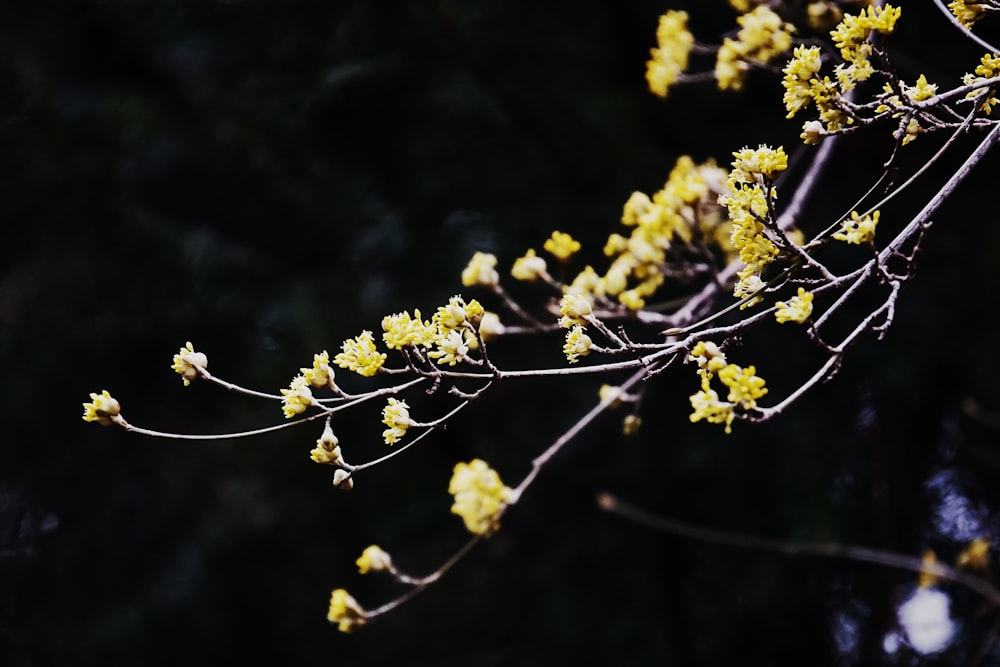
(268, 179)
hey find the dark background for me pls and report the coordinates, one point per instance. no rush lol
(266, 180)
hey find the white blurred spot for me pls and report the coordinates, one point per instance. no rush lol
(926, 620)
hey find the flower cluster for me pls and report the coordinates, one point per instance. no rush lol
(670, 58)
(189, 364)
(320, 375)
(374, 559)
(745, 387)
(988, 68)
(480, 496)
(797, 309)
(577, 344)
(297, 398)
(561, 245)
(327, 448)
(749, 203)
(685, 209)
(530, 267)
(858, 230)
(360, 355)
(481, 270)
(345, 611)
(395, 415)
(804, 86)
(103, 409)
(762, 36)
(968, 12)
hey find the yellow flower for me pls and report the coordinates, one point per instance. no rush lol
(103, 409)
(374, 559)
(395, 415)
(481, 271)
(187, 363)
(530, 267)
(577, 344)
(320, 375)
(327, 448)
(797, 309)
(858, 230)
(296, 398)
(744, 385)
(561, 245)
(401, 330)
(670, 58)
(611, 395)
(706, 405)
(575, 309)
(490, 326)
(345, 611)
(761, 160)
(968, 12)
(928, 578)
(976, 556)
(452, 348)
(360, 355)
(762, 36)
(631, 424)
(480, 496)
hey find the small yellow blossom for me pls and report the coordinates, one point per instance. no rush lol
(921, 90)
(745, 387)
(585, 282)
(327, 448)
(530, 267)
(631, 299)
(761, 160)
(670, 58)
(400, 330)
(910, 131)
(456, 313)
(976, 556)
(747, 286)
(104, 409)
(374, 559)
(320, 375)
(611, 395)
(631, 424)
(452, 347)
(968, 12)
(490, 326)
(858, 230)
(988, 68)
(345, 611)
(360, 355)
(561, 245)
(481, 270)
(395, 415)
(797, 309)
(639, 209)
(708, 356)
(762, 36)
(480, 496)
(187, 363)
(823, 14)
(577, 344)
(812, 132)
(297, 398)
(575, 309)
(706, 405)
(927, 577)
